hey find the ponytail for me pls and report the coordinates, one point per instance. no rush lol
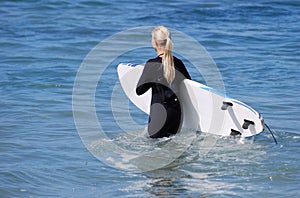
(168, 62)
(163, 38)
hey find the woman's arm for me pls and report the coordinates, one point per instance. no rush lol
(145, 81)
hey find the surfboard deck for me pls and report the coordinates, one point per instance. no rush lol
(204, 108)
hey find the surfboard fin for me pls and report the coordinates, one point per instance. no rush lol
(247, 123)
(226, 105)
(235, 133)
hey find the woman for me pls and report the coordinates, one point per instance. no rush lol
(163, 74)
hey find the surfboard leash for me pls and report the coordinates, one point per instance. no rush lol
(271, 133)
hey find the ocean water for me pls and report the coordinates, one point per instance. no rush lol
(255, 45)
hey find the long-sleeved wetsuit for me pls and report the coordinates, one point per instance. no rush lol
(165, 111)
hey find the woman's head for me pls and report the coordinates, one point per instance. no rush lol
(161, 42)
(160, 36)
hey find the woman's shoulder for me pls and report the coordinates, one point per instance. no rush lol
(177, 61)
(153, 62)
(179, 65)
(156, 59)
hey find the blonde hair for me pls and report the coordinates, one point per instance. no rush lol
(162, 37)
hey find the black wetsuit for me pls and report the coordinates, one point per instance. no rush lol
(165, 112)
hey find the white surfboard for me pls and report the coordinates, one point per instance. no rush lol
(204, 108)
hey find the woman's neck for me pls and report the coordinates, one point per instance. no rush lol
(160, 53)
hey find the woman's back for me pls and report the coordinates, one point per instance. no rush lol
(163, 75)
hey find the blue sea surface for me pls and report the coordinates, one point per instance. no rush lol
(255, 45)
